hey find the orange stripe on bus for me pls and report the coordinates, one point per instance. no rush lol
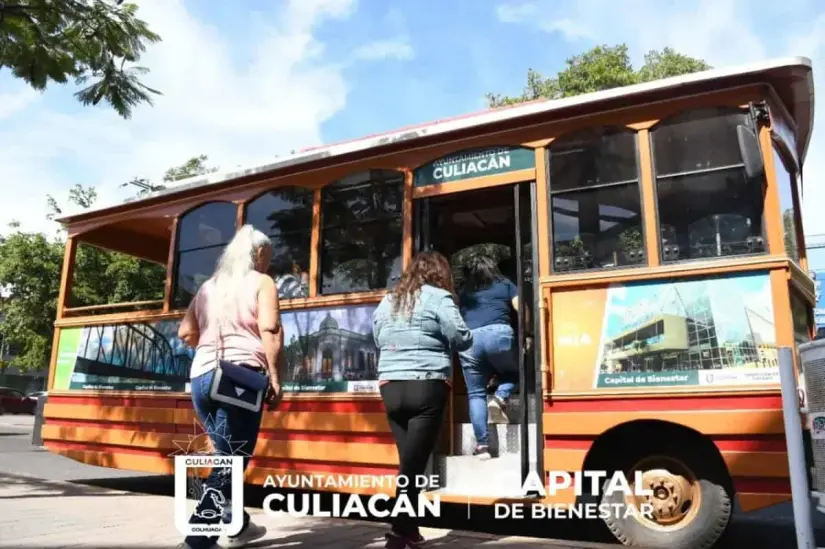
(757, 464)
(752, 502)
(665, 403)
(708, 422)
(351, 452)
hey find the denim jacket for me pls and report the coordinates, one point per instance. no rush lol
(421, 346)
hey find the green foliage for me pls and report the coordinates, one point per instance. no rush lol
(601, 68)
(30, 265)
(88, 41)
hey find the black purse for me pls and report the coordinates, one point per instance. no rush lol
(237, 385)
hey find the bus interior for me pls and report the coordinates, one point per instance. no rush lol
(495, 222)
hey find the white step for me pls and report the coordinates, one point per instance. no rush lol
(469, 476)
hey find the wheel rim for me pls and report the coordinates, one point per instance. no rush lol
(676, 496)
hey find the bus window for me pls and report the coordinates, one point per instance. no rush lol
(704, 198)
(285, 215)
(595, 200)
(361, 231)
(202, 234)
(787, 205)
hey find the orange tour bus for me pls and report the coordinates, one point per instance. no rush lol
(654, 233)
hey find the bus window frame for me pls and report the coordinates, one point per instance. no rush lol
(766, 186)
(550, 193)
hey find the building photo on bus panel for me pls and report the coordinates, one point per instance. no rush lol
(648, 257)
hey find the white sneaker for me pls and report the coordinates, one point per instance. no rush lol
(496, 411)
(252, 533)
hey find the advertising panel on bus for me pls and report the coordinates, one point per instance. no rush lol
(819, 309)
(713, 331)
(328, 350)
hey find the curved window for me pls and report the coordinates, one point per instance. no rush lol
(786, 182)
(595, 200)
(707, 205)
(202, 234)
(285, 215)
(361, 231)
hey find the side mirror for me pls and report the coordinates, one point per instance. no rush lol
(749, 150)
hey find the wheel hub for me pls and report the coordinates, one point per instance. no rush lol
(673, 493)
(669, 495)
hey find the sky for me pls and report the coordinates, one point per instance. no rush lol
(248, 80)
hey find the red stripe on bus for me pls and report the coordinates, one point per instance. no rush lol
(669, 403)
(268, 434)
(129, 402)
(755, 485)
(340, 436)
(568, 443)
(750, 444)
(340, 407)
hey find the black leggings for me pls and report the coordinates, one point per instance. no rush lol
(415, 410)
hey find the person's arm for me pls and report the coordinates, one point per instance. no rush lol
(452, 325)
(269, 325)
(189, 331)
(513, 294)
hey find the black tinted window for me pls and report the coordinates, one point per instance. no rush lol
(707, 206)
(361, 232)
(697, 140)
(595, 201)
(285, 215)
(202, 234)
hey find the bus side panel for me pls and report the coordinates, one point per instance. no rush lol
(304, 437)
(695, 352)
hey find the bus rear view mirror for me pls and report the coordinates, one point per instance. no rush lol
(749, 150)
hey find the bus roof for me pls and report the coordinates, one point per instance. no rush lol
(791, 78)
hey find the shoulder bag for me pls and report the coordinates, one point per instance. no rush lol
(235, 384)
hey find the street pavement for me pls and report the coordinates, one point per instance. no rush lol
(50, 501)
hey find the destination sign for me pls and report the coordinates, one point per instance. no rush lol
(475, 163)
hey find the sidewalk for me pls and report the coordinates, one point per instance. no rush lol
(38, 514)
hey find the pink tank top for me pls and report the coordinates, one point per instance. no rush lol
(240, 338)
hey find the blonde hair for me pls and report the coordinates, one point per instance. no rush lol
(234, 265)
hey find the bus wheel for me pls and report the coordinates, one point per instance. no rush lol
(686, 508)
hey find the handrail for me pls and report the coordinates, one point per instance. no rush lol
(86, 308)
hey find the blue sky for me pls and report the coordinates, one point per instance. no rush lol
(247, 80)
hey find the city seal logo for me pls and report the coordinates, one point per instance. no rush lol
(209, 473)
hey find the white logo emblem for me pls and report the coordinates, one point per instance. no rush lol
(199, 454)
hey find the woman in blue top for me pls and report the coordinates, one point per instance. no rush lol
(416, 329)
(487, 301)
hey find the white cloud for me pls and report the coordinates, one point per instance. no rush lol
(16, 101)
(385, 49)
(722, 32)
(236, 112)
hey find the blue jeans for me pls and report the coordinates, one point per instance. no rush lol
(494, 351)
(233, 431)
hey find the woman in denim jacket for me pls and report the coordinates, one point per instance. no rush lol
(417, 327)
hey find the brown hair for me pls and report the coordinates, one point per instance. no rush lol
(427, 268)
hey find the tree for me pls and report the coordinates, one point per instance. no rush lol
(30, 265)
(600, 68)
(195, 166)
(93, 42)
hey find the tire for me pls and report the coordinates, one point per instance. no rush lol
(701, 527)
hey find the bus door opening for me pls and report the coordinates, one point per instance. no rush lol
(497, 223)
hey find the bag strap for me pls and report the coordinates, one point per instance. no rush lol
(218, 345)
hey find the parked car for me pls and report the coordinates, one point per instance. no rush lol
(13, 401)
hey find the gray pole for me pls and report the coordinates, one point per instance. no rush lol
(796, 452)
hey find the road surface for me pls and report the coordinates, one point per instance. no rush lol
(770, 528)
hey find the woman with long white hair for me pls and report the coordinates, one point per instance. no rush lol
(234, 325)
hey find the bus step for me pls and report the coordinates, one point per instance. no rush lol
(461, 474)
(504, 438)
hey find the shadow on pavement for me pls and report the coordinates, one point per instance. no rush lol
(32, 487)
